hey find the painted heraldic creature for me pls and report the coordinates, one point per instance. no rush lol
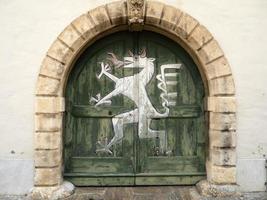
(134, 87)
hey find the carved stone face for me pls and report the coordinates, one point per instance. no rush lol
(136, 61)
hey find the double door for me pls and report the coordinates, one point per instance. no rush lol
(134, 114)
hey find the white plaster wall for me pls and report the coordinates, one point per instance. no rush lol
(29, 27)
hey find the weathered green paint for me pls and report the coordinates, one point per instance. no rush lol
(134, 161)
(111, 111)
(180, 179)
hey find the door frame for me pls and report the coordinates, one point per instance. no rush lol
(220, 106)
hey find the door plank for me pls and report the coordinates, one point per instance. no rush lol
(181, 111)
(101, 165)
(169, 180)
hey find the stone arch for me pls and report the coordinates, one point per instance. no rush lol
(112, 17)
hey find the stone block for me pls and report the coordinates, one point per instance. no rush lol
(60, 52)
(186, 25)
(208, 189)
(52, 68)
(222, 86)
(49, 104)
(117, 12)
(53, 192)
(170, 17)
(223, 156)
(47, 140)
(48, 122)
(85, 26)
(44, 193)
(47, 86)
(48, 176)
(222, 121)
(47, 158)
(221, 104)
(217, 68)
(100, 18)
(153, 12)
(221, 174)
(71, 37)
(199, 37)
(222, 138)
(210, 52)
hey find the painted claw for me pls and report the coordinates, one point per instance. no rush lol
(104, 68)
(103, 147)
(95, 99)
(105, 150)
(107, 67)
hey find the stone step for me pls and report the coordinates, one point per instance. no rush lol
(132, 193)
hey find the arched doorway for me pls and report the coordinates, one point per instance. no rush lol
(134, 119)
(219, 104)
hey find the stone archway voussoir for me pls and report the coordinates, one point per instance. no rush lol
(217, 68)
(222, 86)
(169, 17)
(117, 12)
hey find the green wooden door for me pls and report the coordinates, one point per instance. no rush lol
(134, 117)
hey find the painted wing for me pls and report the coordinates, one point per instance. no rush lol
(168, 76)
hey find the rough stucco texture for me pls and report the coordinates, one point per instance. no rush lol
(29, 27)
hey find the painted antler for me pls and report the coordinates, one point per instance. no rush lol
(143, 53)
(130, 53)
(114, 60)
